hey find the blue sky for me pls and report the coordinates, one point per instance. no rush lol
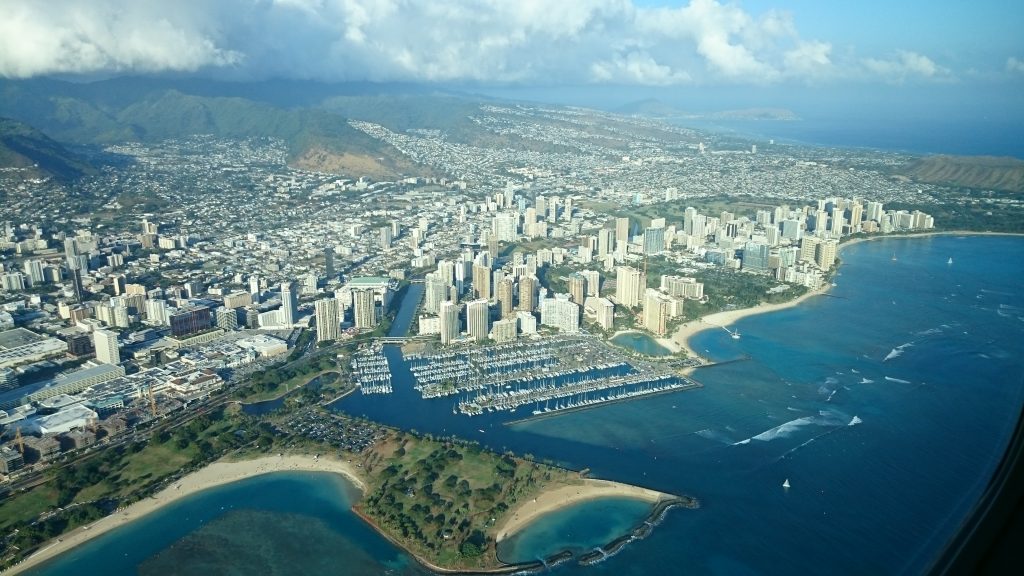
(693, 43)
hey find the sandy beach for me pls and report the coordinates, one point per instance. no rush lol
(216, 474)
(559, 498)
(686, 331)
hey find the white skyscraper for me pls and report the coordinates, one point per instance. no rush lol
(450, 326)
(364, 309)
(477, 316)
(560, 312)
(328, 319)
(289, 303)
(105, 343)
(629, 286)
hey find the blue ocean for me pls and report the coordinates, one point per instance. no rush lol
(886, 404)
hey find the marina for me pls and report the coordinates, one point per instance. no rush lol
(370, 370)
(548, 376)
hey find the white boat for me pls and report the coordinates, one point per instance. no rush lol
(785, 484)
(950, 261)
(735, 335)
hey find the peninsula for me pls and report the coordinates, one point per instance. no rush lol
(445, 501)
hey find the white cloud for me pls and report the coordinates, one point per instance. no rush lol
(906, 65)
(43, 37)
(528, 41)
(1014, 64)
(637, 68)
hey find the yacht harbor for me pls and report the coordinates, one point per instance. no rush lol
(370, 370)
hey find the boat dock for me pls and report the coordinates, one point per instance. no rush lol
(370, 370)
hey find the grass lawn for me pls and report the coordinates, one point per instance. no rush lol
(25, 507)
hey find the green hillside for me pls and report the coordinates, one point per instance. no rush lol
(22, 146)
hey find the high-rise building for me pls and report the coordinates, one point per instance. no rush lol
(528, 293)
(656, 309)
(809, 248)
(329, 261)
(34, 271)
(605, 242)
(622, 230)
(578, 288)
(654, 240)
(825, 254)
(629, 286)
(328, 319)
(755, 257)
(482, 281)
(504, 297)
(254, 288)
(435, 292)
(593, 278)
(386, 237)
(364, 308)
(504, 330)
(603, 310)
(560, 312)
(503, 227)
(190, 320)
(450, 325)
(226, 318)
(105, 343)
(683, 287)
(289, 303)
(527, 322)
(477, 319)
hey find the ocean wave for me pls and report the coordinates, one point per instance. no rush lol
(854, 421)
(782, 430)
(928, 332)
(829, 399)
(898, 380)
(866, 381)
(894, 353)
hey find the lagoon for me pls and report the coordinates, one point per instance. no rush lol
(640, 342)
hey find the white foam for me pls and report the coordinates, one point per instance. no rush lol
(891, 379)
(854, 371)
(866, 381)
(829, 399)
(895, 353)
(783, 430)
(854, 421)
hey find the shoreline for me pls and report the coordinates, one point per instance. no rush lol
(216, 474)
(552, 501)
(686, 331)
(681, 337)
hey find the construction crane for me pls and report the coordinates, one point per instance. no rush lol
(152, 401)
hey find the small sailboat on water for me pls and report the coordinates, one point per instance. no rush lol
(950, 261)
(785, 484)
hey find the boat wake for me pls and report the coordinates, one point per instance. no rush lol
(897, 380)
